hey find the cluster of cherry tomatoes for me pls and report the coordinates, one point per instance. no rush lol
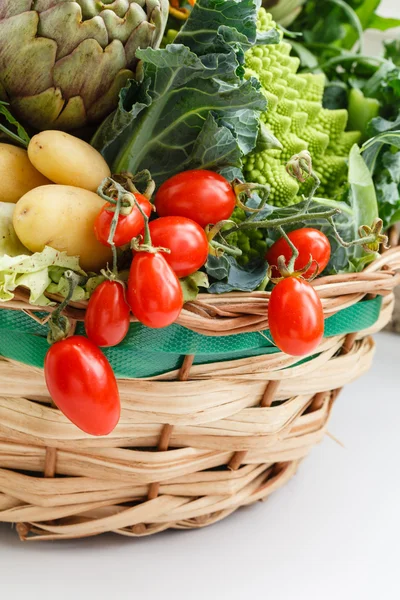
(79, 377)
(186, 203)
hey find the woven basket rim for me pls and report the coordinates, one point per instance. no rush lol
(246, 312)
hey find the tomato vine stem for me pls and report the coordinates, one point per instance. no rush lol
(371, 238)
(59, 324)
(276, 223)
(295, 252)
(123, 201)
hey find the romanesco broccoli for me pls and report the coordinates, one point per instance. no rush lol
(250, 242)
(296, 117)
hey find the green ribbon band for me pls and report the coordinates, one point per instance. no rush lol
(148, 352)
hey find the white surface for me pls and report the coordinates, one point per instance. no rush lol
(374, 38)
(332, 533)
(389, 8)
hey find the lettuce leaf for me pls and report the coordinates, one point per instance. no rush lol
(191, 285)
(60, 285)
(34, 273)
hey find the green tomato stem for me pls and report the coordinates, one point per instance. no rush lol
(147, 236)
(226, 249)
(216, 229)
(124, 202)
(263, 202)
(315, 186)
(59, 325)
(276, 223)
(115, 260)
(113, 228)
(369, 239)
(246, 189)
(295, 252)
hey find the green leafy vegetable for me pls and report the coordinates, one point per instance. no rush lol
(159, 120)
(362, 194)
(382, 132)
(383, 23)
(212, 24)
(191, 285)
(392, 51)
(60, 286)
(232, 277)
(19, 136)
(328, 28)
(374, 146)
(361, 110)
(384, 85)
(353, 19)
(387, 184)
(33, 272)
(215, 147)
(329, 35)
(382, 156)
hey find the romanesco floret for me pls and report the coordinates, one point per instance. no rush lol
(296, 117)
(251, 242)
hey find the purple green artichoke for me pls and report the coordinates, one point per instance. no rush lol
(64, 62)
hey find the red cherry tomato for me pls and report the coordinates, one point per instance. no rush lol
(295, 315)
(154, 292)
(107, 314)
(82, 384)
(309, 242)
(128, 227)
(203, 196)
(186, 240)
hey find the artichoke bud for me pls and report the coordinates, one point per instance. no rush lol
(64, 62)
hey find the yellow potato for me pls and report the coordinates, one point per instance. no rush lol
(17, 175)
(67, 160)
(62, 217)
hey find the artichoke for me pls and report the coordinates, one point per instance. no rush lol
(64, 62)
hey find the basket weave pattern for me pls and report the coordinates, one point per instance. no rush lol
(192, 445)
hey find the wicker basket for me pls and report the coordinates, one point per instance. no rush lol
(193, 445)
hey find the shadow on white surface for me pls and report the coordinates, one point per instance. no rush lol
(331, 533)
